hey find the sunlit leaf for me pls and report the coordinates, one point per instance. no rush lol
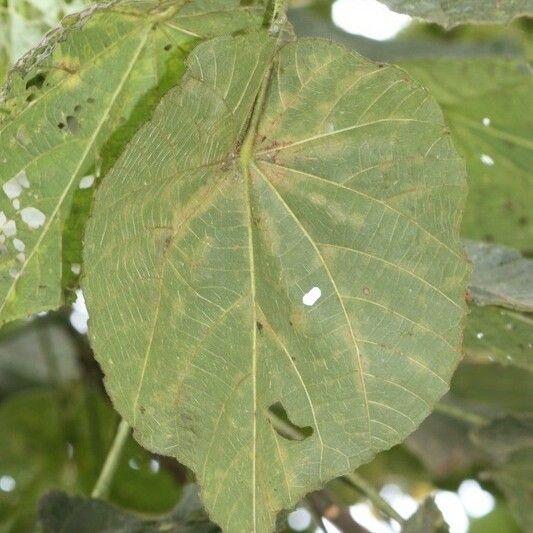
(501, 276)
(62, 116)
(451, 13)
(486, 103)
(59, 512)
(313, 268)
(54, 439)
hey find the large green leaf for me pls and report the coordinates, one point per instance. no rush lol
(449, 13)
(501, 276)
(485, 102)
(60, 115)
(312, 267)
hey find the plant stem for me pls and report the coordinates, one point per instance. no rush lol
(101, 489)
(372, 494)
(459, 414)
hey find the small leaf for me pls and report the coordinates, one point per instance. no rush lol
(485, 103)
(427, 519)
(59, 512)
(314, 263)
(452, 13)
(501, 276)
(102, 74)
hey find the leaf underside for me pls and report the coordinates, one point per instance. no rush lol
(57, 121)
(452, 13)
(318, 271)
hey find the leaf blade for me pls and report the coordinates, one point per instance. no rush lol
(226, 245)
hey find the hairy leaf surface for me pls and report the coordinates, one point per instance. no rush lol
(308, 269)
(450, 13)
(104, 74)
(486, 102)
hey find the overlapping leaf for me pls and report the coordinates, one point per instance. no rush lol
(312, 266)
(451, 13)
(486, 103)
(60, 116)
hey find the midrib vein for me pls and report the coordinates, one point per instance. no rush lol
(245, 160)
(90, 144)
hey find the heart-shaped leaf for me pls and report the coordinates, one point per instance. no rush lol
(280, 242)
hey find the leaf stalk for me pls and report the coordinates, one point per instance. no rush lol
(103, 484)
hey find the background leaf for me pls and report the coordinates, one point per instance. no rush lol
(483, 101)
(499, 335)
(450, 14)
(58, 439)
(59, 512)
(313, 267)
(501, 276)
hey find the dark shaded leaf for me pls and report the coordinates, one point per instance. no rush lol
(73, 514)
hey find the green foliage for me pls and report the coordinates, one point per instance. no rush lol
(427, 519)
(272, 265)
(484, 102)
(58, 439)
